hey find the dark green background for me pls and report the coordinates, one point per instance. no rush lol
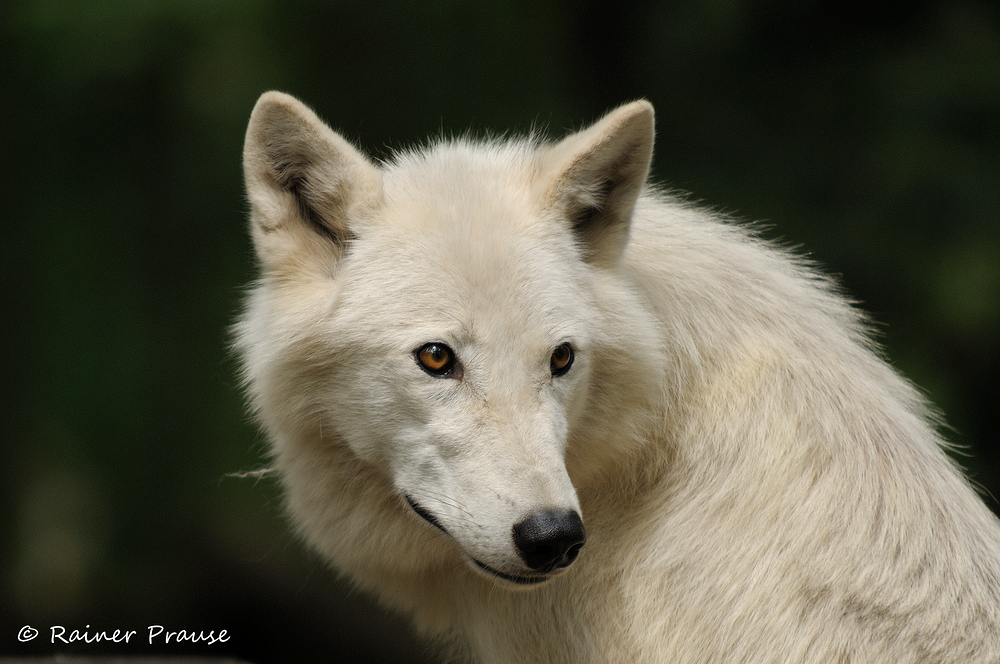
(867, 133)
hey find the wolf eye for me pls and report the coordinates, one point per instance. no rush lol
(436, 359)
(562, 359)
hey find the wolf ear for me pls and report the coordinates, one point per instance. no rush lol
(303, 180)
(597, 175)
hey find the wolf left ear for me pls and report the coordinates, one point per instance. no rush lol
(597, 176)
(305, 183)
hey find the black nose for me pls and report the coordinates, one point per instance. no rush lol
(550, 539)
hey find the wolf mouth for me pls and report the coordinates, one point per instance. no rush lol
(520, 580)
(424, 514)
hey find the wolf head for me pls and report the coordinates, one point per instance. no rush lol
(441, 318)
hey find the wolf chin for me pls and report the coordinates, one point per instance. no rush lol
(556, 416)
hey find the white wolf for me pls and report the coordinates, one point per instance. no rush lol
(479, 360)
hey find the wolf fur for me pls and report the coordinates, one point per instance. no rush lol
(756, 484)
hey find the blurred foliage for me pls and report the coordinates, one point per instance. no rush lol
(867, 133)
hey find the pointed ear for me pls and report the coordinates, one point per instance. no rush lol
(304, 182)
(596, 176)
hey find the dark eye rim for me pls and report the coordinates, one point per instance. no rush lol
(563, 370)
(446, 371)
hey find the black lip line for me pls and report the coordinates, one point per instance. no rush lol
(520, 580)
(424, 514)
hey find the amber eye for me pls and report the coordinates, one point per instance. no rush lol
(436, 359)
(562, 359)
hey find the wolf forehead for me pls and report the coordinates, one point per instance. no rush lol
(468, 220)
(467, 171)
(463, 196)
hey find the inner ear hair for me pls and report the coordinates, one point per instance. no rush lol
(293, 172)
(587, 207)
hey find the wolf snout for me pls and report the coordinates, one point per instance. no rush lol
(549, 539)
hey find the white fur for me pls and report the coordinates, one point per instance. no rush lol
(756, 483)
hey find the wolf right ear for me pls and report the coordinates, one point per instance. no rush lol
(596, 177)
(304, 182)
